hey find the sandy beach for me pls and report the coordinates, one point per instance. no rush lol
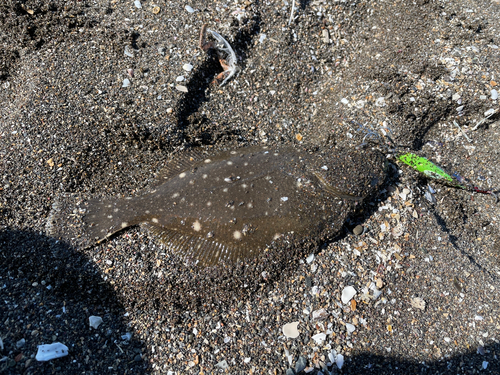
(99, 96)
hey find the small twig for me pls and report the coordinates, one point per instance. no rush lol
(465, 135)
(119, 347)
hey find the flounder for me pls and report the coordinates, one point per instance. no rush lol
(231, 206)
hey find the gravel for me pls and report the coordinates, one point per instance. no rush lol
(425, 270)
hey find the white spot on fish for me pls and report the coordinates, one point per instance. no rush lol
(244, 186)
(128, 198)
(225, 190)
(124, 224)
(147, 212)
(208, 161)
(175, 195)
(324, 167)
(154, 220)
(196, 226)
(250, 205)
(237, 235)
(284, 199)
(109, 206)
(229, 162)
(182, 175)
(245, 164)
(116, 210)
(110, 216)
(204, 176)
(209, 204)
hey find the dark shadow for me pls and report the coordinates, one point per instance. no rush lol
(201, 83)
(48, 293)
(469, 362)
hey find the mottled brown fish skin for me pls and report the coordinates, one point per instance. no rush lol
(233, 205)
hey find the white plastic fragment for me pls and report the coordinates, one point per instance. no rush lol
(189, 9)
(187, 67)
(347, 293)
(319, 338)
(137, 4)
(290, 330)
(95, 321)
(51, 351)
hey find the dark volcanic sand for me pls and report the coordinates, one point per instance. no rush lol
(68, 126)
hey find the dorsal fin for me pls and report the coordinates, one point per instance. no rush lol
(179, 163)
(205, 252)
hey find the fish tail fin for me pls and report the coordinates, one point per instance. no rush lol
(83, 223)
(65, 222)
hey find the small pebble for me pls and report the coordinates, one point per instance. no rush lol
(180, 79)
(494, 94)
(347, 294)
(187, 67)
(301, 364)
(181, 88)
(189, 9)
(358, 230)
(290, 330)
(350, 327)
(126, 82)
(137, 4)
(95, 321)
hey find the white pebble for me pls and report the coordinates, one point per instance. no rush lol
(494, 94)
(180, 79)
(339, 361)
(350, 327)
(181, 88)
(347, 293)
(137, 4)
(187, 67)
(262, 37)
(126, 82)
(95, 321)
(290, 330)
(344, 101)
(189, 9)
(310, 258)
(319, 338)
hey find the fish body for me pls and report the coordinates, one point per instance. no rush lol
(233, 205)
